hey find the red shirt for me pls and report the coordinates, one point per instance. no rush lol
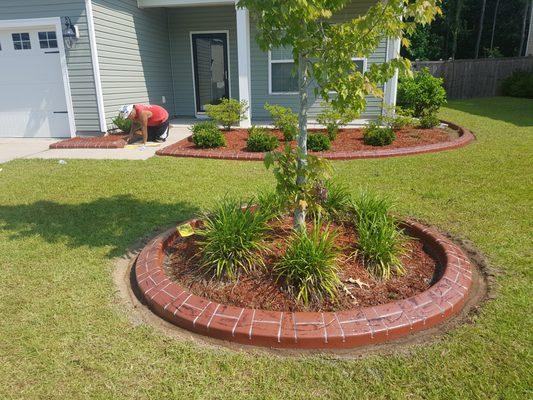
(159, 114)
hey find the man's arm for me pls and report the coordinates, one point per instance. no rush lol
(145, 115)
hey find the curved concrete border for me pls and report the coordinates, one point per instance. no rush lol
(308, 330)
(465, 137)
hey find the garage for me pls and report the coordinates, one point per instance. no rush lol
(34, 88)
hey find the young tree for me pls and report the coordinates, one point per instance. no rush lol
(323, 51)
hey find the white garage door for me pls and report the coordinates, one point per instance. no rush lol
(32, 92)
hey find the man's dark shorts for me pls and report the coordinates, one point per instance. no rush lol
(158, 133)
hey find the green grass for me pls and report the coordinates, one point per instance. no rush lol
(62, 334)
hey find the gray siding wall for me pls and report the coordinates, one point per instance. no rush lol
(183, 21)
(259, 68)
(133, 52)
(79, 60)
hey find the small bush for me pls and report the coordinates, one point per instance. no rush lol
(206, 135)
(124, 124)
(231, 239)
(519, 84)
(428, 122)
(397, 121)
(318, 142)
(285, 120)
(309, 266)
(376, 135)
(332, 120)
(260, 140)
(421, 94)
(380, 241)
(228, 113)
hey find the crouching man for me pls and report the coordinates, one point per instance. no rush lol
(149, 122)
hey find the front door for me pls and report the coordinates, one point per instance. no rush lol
(210, 57)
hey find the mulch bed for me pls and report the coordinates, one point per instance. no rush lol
(260, 290)
(348, 139)
(114, 141)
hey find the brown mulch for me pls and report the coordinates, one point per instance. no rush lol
(348, 139)
(260, 290)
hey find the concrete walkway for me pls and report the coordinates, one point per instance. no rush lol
(12, 148)
(177, 132)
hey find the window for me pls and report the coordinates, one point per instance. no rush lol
(360, 63)
(21, 41)
(48, 40)
(283, 78)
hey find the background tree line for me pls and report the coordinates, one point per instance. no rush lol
(473, 29)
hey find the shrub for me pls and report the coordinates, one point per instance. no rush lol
(421, 94)
(397, 121)
(124, 124)
(228, 113)
(231, 239)
(309, 266)
(260, 140)
(376, 135)
(207, 135)
(284, 119)
(380, 241)
(332, 120)
(428, 121)
(318, 142)
(519, 84)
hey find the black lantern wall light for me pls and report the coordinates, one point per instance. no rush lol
(71, 33)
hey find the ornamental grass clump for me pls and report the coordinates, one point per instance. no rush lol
(380, 240)
(232, 239)
(309, 265)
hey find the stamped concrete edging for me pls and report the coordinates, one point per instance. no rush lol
(465, 137)
(308, 330)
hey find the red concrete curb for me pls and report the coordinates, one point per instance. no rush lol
(101, 142)
(308, 330)
(465, 137)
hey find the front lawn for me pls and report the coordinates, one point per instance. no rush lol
(63, 335)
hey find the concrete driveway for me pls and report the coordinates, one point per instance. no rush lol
(12, 148)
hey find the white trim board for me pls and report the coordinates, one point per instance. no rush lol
(55, 22)
(96, 66)
(202, 114)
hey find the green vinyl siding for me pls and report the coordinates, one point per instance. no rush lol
(183, 21)
(133, 53)
(79, 61)
(260, 75)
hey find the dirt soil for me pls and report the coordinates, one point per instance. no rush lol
(349, 139)
(260, 290)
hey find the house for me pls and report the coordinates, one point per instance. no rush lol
(67, 65)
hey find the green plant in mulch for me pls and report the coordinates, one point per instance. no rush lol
(318, 142)
(261, 140)
(376, 135)
(123, 124)
(228, 113)
(309, 265)
(285, 120)
(428, 121)
(380, 241)
(206, 135)
(232, 239)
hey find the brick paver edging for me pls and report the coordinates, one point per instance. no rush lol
(308, 330)
(465, 137)
(101, 142)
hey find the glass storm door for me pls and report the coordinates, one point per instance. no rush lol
(210, 54)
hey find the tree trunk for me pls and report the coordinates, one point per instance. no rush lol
(303, 85)
(480, 30)
(494, 24)
(524, 23)
(455, 32)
